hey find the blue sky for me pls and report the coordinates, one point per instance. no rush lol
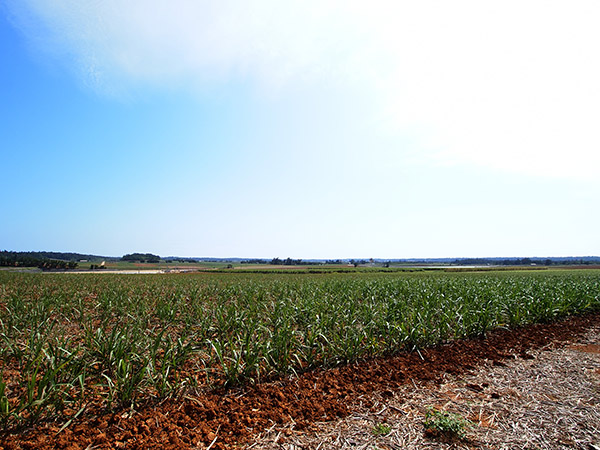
(309, 129)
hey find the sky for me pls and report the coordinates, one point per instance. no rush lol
(303, 129)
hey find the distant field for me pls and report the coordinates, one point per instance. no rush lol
(126, 265)
(300, 268)
(71, 342)
(314, 268)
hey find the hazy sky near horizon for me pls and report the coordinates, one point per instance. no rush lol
(308, 129)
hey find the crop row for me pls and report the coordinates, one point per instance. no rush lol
(74, 342)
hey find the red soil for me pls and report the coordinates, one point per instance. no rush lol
(228, 419)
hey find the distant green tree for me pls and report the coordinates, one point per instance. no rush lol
(141, 257)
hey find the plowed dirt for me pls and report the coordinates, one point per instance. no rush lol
(229, 419)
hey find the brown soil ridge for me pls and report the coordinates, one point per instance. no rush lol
(228, 419)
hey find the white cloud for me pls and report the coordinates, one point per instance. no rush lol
(189, 41)
(509, 85)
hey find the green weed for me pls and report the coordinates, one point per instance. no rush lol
(445, 423)
(381, 429)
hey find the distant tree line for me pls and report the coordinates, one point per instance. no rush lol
(182, 260)
(296, 262)
(524, 261)
(141, 257)
(32, 259)
(578, 262)
(280, 262)
(286, 262)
